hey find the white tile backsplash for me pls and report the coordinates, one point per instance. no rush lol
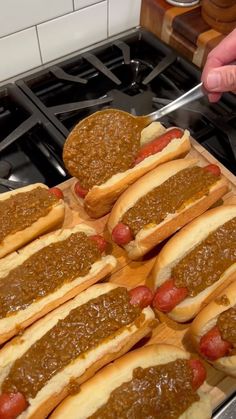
(19, 52)
(20, 14)
(73, 31)
(36, 30)
(79, 4)
(123, 15)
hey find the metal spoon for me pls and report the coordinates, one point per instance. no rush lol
(195, 93)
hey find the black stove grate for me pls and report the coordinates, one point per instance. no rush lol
(30, 145)
(138, 74)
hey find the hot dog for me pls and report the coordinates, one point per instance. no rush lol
(163, 201)
(213, 331)
(158, 144)
(26, 213)
(59, 352)
(195, 264)
(146, 383)
(107, 155)
(48, 272)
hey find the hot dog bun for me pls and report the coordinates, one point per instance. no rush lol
(147, 238)
(95, 392)
(84, 366)
(179, 246)
(207, 319)
(10, 325)
(17, 239)
(100, 199)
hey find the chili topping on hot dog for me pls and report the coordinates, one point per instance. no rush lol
(48, 269)
(156, 392)
(108, 143)
(220, 341)
(83, 329)
(214, 256)
(168, 198)
(21, 210)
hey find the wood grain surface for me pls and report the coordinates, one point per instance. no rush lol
(183, 28)
(129, 273)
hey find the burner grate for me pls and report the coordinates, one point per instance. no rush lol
(30, 145)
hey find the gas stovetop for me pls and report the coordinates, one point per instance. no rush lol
(136, 73)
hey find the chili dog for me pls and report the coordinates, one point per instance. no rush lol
(147, 383)
(48, 272)
(195, 264)
(213, 331)
(163, 201)
(59, 352)
(110, 153)
(28, 212)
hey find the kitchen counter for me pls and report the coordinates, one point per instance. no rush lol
(180, 27)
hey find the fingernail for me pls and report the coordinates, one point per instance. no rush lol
(213, 80)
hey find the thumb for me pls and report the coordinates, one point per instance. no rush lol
(222, 79)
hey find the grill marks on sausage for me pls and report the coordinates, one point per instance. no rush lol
(83, 329)
(101, 146)
(24, 208)
(46, 270)
(205, 264)
(171, 196)
(162, 391)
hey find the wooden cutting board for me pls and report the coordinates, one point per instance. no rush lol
(183, 28)
(130, 273)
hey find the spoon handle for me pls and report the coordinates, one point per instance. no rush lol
(196, 93)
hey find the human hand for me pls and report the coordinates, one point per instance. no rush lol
(217, 76)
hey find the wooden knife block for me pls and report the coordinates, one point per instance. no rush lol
(183, 28)
(220, 14)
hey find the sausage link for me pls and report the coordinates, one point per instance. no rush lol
(167, 296)
(141, 296)
(12, 405)
(81, 192)
(100, 241)
(213, 168)
(121, 234)
(212, 346)
(57, 192)
(158, 144)
(199, 373)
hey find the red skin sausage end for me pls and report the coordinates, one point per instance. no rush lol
(79, 191)
(168, 296)
(12, 405)
(141, 296)
(121, 234)
(212, 346)
(57, 192)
